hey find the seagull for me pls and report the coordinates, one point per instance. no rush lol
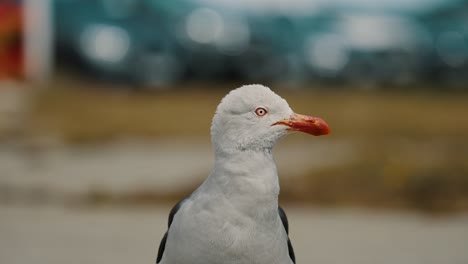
(233, 216)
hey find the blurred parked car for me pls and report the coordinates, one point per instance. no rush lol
(365, 48)
(118, 39)
(153, 42)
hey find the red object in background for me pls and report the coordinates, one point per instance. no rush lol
(11, 40)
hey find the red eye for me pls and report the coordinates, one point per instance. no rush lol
(260, 111)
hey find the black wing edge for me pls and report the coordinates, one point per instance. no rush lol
(284, 219)
(162, 245)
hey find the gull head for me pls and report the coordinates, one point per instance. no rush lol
(253, 117)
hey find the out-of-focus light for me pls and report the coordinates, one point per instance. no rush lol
(204, 25)
(234, 38)
(371, 32)
(327, 53)
(452, 48)
(105, 43)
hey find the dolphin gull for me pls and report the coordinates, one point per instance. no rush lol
(234, 217)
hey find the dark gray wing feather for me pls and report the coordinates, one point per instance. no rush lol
(284, 219)
(162, 245)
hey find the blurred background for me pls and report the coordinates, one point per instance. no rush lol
(105, 109)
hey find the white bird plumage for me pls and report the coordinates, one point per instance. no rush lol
(235, 125)
(233, 216)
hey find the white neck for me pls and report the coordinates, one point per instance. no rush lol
(248, 179)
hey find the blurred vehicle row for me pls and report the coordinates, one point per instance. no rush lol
(154, 43)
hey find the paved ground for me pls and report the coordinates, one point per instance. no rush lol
(56, 235)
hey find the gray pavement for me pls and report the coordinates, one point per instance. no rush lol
(56, 235)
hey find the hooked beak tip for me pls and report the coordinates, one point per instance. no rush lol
(308, 124)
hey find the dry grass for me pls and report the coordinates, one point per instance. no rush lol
(94, 116)
(412, 147)
(430, 176)
(79, 114)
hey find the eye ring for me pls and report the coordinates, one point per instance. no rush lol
(261, 111)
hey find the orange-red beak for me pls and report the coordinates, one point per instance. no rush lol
(307, 124)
